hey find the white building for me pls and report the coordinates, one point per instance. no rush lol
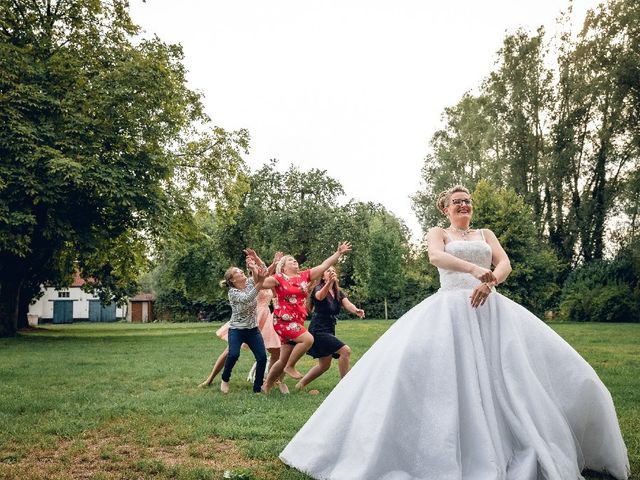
(69, 304)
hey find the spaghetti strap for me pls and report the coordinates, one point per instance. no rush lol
(482, 233)
(446, 235)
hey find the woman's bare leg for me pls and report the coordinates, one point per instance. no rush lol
(303, 344)
(274, 355)
(343, 361)
(323, 365)
(277, 368)
(217, 368)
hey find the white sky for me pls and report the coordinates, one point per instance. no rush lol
(354, 87)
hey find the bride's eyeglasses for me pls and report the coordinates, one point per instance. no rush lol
(462, 201)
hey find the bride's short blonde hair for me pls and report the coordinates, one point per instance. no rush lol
(445, 196)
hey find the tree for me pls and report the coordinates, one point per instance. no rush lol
(462, 152)
(595, 150)
(293, 211)
(388, 252)
(521, 95)
(189, 268)
(101, 147)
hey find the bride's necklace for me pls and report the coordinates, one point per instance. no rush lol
(462, 231)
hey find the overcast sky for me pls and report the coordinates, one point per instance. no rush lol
(356, 88)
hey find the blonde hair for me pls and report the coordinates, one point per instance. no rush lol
(445, 196)
(226, 282)
(282, 261)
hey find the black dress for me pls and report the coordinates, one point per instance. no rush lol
(323, 325)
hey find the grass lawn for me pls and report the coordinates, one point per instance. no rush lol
(103, 401)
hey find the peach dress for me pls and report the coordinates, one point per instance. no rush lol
(265, 322)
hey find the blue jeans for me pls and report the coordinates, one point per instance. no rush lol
(253, 338)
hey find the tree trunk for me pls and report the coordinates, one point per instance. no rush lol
(23, 309)
(599, 205)
(386, 316)
(9, 295)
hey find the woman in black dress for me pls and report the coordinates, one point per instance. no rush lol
(325, 302)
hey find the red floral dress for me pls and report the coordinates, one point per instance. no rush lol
(291, 312)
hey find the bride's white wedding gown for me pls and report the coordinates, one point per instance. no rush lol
(453, 392)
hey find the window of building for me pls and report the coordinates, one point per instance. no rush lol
(63, 294)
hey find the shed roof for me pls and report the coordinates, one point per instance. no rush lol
(143, 297)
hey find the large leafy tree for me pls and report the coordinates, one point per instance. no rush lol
(293, 211)
(464, 151)
(102, 146)
(595, 137)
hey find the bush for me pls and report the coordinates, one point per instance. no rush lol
(602, 291)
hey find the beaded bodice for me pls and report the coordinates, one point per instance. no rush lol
(474, 251)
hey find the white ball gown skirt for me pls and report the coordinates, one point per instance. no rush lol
(452, 392)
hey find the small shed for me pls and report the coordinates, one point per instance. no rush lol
(141, 308)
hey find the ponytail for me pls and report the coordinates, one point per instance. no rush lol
(226, 282)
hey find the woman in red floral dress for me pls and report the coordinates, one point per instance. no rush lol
(291, 287)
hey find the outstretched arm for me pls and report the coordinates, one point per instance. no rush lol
(269, 282)
(316, 272)
(350, 307)
(274, 263)
(251, 254)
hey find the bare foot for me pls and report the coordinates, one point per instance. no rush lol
(204, 385)
(293, 373)
(224, 387)
(283, 388)
(302, 388)
(266, 388)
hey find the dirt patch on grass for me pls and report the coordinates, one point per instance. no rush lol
(101, 454)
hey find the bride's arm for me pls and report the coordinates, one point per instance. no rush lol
(441, 259)
(500, 259)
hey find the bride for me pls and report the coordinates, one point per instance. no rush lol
(466, 385)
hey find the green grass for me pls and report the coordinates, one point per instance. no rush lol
(106, 401)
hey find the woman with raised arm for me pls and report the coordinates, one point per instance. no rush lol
(467, 385)
(243, 326)
(291, 287)
(325, 301)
